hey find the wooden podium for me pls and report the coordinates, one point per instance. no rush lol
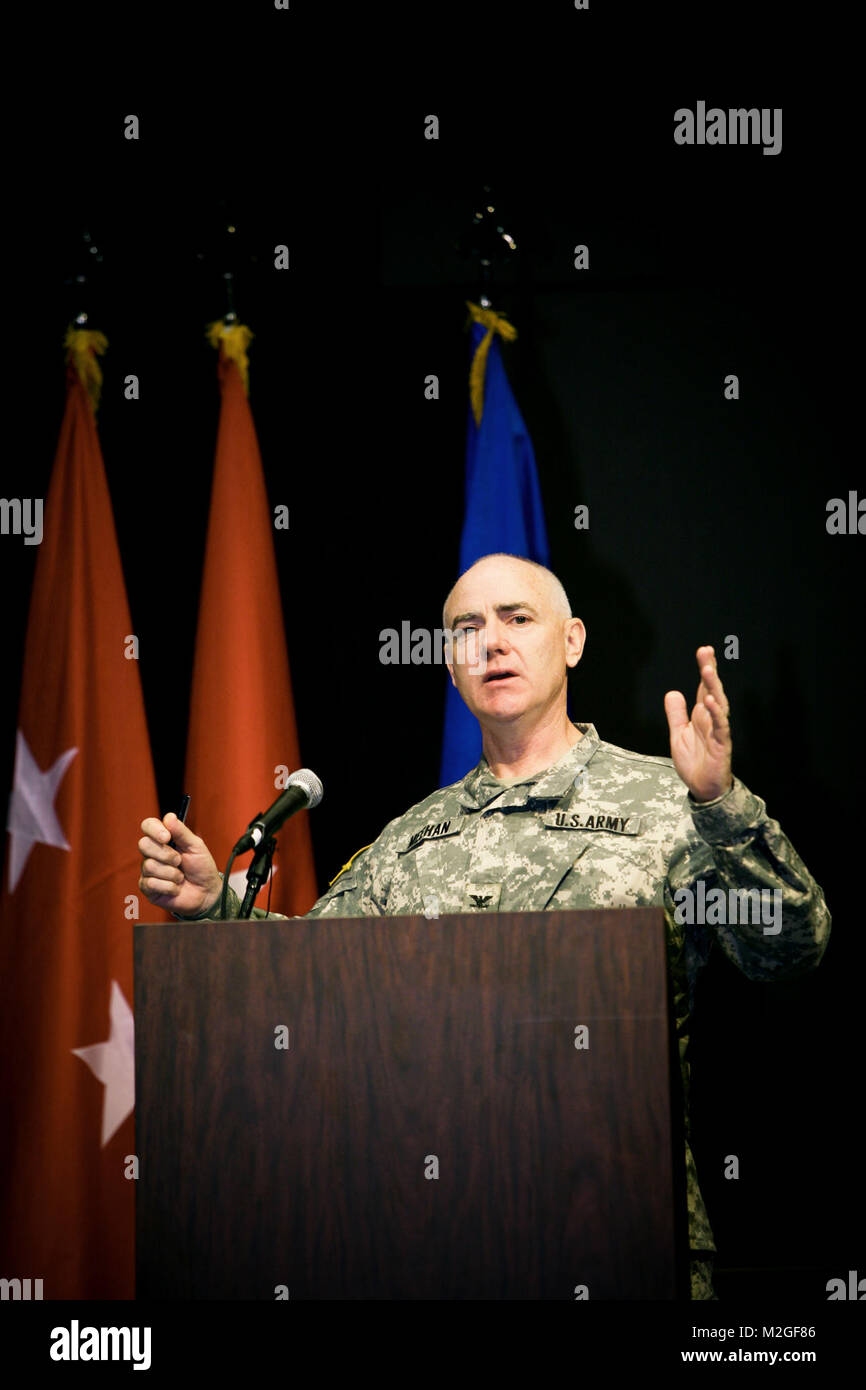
(396, 1108)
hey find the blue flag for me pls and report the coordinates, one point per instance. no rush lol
(503, 512)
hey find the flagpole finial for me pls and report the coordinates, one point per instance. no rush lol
(84, 345)
(489, 240)
(84, 258)
(230, 316)
(225, 254)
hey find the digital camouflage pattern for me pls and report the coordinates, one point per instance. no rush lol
(603, 827)
(701, 1277)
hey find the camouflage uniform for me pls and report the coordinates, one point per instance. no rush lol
(603, 827)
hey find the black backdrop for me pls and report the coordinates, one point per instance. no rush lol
(707, 517)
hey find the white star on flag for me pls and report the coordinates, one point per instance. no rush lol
(113, 1063)
(238, 881)
(32, 819)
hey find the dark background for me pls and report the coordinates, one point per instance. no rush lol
(707, 517)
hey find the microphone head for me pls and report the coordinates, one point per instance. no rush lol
(310, 783)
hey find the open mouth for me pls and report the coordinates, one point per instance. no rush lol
(499, 676)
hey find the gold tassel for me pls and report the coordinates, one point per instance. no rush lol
(235, 339)
(348, 864)
(494, 323)
(82, 345)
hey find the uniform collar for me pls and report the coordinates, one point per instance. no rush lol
(479, 787)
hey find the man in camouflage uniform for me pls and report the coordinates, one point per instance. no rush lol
(553, 817)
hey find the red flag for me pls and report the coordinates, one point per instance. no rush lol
(243, 738)
(83, 781)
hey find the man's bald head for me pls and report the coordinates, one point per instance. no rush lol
(514, 640)
(543, 580)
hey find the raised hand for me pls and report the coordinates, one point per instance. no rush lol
(701, 746)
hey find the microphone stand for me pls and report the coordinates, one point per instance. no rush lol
(257, 874)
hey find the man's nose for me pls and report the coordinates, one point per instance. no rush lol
(495, 637)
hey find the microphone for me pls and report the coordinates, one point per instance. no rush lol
(302, 789)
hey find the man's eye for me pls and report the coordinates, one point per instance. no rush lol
(521, 618)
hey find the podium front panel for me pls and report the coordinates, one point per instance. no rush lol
(475, 1107)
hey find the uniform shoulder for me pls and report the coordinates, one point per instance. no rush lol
(645, 780)
(624, 761)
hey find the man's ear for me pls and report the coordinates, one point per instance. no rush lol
(451, 673)
(575, 641)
